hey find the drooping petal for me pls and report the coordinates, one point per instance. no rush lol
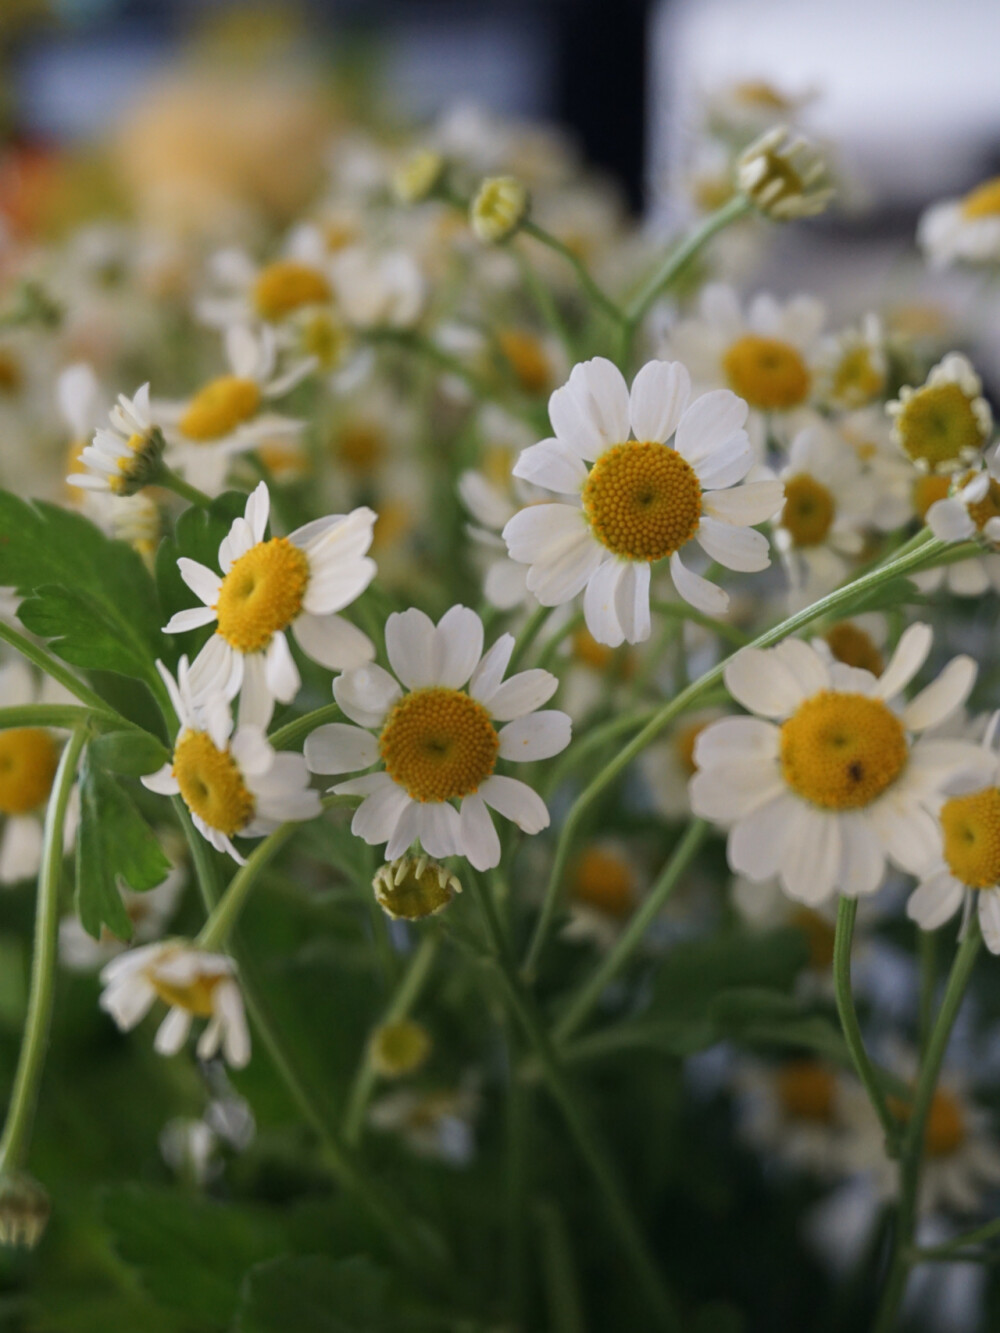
(910, 655)
(935, 899)
(812, 856)
(862, 864)
(756, 843)
(696, 591)
(632, 601)
(600, 603)
(281, 673)
(480, 843)
(516, 801)
(742, 549)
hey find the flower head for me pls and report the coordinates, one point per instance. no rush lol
(945, 423)
(965, 230)
(641, 500)
(436, 740)
(412, 887)
(418, 176)
(127, 457)
(499, 208)
(784, 176)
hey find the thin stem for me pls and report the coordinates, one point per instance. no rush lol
(528, 635)
(300, 727)
(53, 667)
(687, 698)
(545, 302)
(913, 1143)
(564, 1302)
(682, 611)
(171, 481)
(951, 1249)
(49, 715)
(846, 914)
(34, 1044)
(927, 952)
(600, 298)
(401, 1004)
(588, 1143)
(226, 911)
(579, 1008)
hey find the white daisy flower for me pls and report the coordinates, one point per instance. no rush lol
(379, 290)
(29, 757)
(438, 741)
(603, 887)
(965, 230)
(767, 356)
(858, 642)
(965, 868)
(641, 500)
(267, 587)
(234, 784)
(853, 367)
(956, 508)
(225, 417)
(827, 783)
(269, 293)
(122, 460)
(944, 424)
(193, 983)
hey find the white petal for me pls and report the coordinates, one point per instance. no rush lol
(484, 501)
(333, 642)
(910, 655)
(194, 618)
(218, 669)
(938, 700)
(632, 601)
(378, 816)
(736, 738)
(440, 830)
(910, 835)
(459, 646)
(593, 406)
(989, 918)
(600, 603)
(237, 542)
(336, 584)
(537, 736)
(252, 751)
(742, 549)
(162, 781)
(281, 673)
(20, 849)
(949, 520)
(407, 830)
(804, 662)
(410, 644)
(935, 900)
(203, 582)
(366, 695)
(560, 578)
(543, 532)
(480, 843)
(256, 700)
(762, 683)
(523, 693)
(552, 465)
(709, 423)
(660, 392)
(749, 503)
(862, 865)
(172, 1032)
(257, 511)
(516, 801)
(505, 584)
(812, 856)
(338, 747)
(728, 465)
(726, 794)
(488, 674)
(235, 1033)
(696, 591)
(756, 842)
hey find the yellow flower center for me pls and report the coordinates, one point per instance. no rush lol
(854, 647)
(971, 828)
(807, 1090)
(28, 759)
(927, 490)
(604, 881)
(399, 1048)
(938, 426)
(857, 379)
(819, 937)
(360, 445)
(945, 1130)
(262, 593)
(211, 783)
(809, 510)
(285, 286)
(219, 407)
(983, 201)
(768, 373)
(325, 338)
(643, 500)
(988, 507)
(684, 743)
(527, 358)
(439, 744)
(196, 997)
(842, 751)
(11, 374)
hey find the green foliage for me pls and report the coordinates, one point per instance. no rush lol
(130, 753)
(313, 1294)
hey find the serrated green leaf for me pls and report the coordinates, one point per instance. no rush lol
(90, 596)
(132, 753)
(114, 844)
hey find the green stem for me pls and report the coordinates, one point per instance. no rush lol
(53, 667)
(927, 952)
(226, 912)
(529, 633)
(913, 1143)
(846, 914)
(589, 1145)
(50, 715)
(401, 1004)
(543, 299)
(601, 300)
(682, 611)
(628, 941)
(34, 1044)
(564, 1303)
(300, 727)
(951, 1249)
(171, 481)
(687, 698)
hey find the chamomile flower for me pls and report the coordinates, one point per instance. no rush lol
(269, 293)
(965, 230)
(827, 783)
(641, 500)
(148, 912)
(124, 459)
(195, 984)
(234, 784)
(858, 642)
(379, 289)
(803, 1111)
(943, 425)
(603, 885)
(437, 740)
(956, 507)
(965, 869)
(853, 367)
(268, 587)
(767, 356)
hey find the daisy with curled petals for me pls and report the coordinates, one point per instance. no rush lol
(296, 583)
(965, 869)
(194, 983)
(234, 784)
(437, 739)
(827, 782)
(642, 499)
(124, 459)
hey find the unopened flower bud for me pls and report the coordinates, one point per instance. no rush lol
(784, 176)
(24, 1209)
(412, 887)
(418, 177)
(499, 208)
(399, 1048)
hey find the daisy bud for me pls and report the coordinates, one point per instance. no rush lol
(24, 1210)
(784, 176)
(499, 208)
(413, 887)
(418, 177)
(399, 1048)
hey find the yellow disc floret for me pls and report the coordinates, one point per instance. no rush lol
(439, 744)
(854, 647)
(809, 510)
(983, 201)
(938, 426)
(286, 286)
(643, 500)
(988, 507)
(262, 594)
(212, 784)
(218, 408)
(768, 373)
(527, 358)
(927, 490)
(604, 881)
(842, 751)
(807, 1090)
(197, 997)
(971, 828)
(28, 759)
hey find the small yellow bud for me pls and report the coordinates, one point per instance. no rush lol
(499, 208)
(412, 887)
(417, 178)
(24, 1210)
(399, 1048)
(784, 176)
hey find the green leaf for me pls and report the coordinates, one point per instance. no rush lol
(92, 597)
(694, 972)
(198, 535)
(114, 844)
(133, 753)
(315, 1294)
